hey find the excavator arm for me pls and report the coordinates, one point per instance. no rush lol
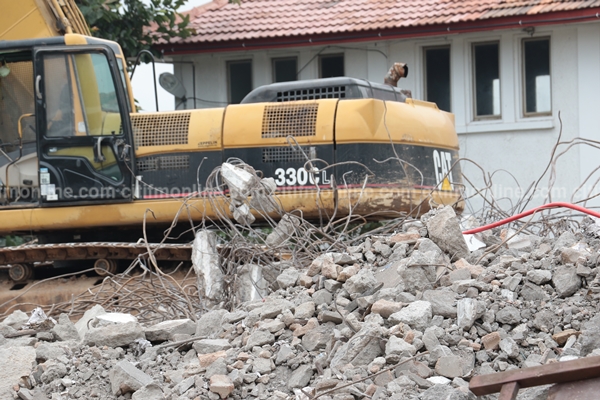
(32, 19)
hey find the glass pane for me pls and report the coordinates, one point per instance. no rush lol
(122, 72)
(60, 113)
(487, 79)
(16, 100)
(240, 80)
(98, 95)
(109, 167)
(437, 72)
(537, 76)
(285, 69)
(332, 66)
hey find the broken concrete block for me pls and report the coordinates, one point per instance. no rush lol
(16, 319)
(399, 347)
(211, 323)
(300, 377)
(15, 362)
(273, 307)
(165, 330)
(449, 366)
(360, 283)
(469, 310)
(475, 270)
(347, 272)
(565, 280)
(330, 270)
(512, 282)
(116, 335)
(50, 351)
(417, 315)
(414, 272)
(491, 341)
(561, 337)
(444, 230)
(405, 237)
(389, 276)
(65, 329)
(317, 264)
(205, 260)
(305, 310)
(125, 378)
(284, 230)
(460, 274)
(539, 276)
(260, 338)
(510, 347)
(385, 308)
(443, 302)
(509, 315)
(361, 349)
(300, 330)
(207, 359)
(576, 254)
(251, 284)
(206, 346)
(317, 338)
(288, 278)
(82, 324)
(150, 391)
(221, 385)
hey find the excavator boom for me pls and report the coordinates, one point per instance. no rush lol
(32, 19)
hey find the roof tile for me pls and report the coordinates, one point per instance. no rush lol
(254, 19)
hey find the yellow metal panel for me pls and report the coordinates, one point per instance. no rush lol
(413, 122)
(197, 130)
(368, 201)
(26, 19)
(74, 39)
(244, 123)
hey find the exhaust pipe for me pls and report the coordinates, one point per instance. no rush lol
(397, 71)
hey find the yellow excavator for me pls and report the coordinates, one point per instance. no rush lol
(78, 163)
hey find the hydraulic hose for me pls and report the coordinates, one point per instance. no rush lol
(532, 211)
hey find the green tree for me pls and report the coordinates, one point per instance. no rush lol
(126, 22)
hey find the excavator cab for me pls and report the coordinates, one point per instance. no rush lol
(65, 132)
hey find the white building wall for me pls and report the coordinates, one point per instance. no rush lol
(588, 71)
(518, 148)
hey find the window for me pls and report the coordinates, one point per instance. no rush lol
(331, 65)
(89, 108)
(284, 69)
(536, 76)
(487, 79)
(437, 76)
(239, 74)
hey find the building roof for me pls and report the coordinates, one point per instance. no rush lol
(288, 21)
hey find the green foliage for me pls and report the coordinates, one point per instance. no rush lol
(126, 22)
(11, 241)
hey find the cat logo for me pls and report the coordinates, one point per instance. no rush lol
(442, 164)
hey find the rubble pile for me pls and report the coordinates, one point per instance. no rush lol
(412, 315)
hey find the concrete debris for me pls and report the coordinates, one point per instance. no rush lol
(300, 330)
(444, 229)
(205, 260)
(243, 185)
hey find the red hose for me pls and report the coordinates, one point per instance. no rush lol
(533, 210)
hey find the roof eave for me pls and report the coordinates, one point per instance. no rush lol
(563, 17)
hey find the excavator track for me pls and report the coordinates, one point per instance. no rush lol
(20, 260)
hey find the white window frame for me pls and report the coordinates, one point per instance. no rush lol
(473, 92)
(522, 91)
